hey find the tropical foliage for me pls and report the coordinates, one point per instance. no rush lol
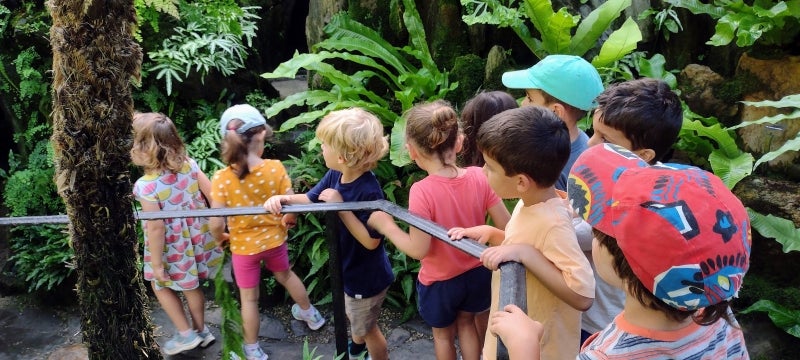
(406, 74)
(556, 27)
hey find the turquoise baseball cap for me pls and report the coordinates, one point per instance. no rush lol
(568, 78)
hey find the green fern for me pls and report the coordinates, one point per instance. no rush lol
(231, 325)
(409, 73)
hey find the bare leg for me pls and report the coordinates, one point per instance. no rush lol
(468, 336)
(197, 306)
(250, 316)
(173, 306)
(481, 324)
(376, 344)
(289, 280)
(444, 342)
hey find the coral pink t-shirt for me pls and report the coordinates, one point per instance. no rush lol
(450, 202)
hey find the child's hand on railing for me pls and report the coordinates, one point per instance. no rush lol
(481, 233)
(274, 204)
(289, 220)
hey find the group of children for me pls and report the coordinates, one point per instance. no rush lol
(626, 257)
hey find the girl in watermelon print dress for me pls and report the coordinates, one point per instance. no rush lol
(178, 252)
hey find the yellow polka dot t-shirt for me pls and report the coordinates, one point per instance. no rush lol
(252, 234)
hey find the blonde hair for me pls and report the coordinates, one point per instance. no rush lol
(156, 143)
(357, 135)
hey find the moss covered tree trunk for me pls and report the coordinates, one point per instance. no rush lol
(94, 61)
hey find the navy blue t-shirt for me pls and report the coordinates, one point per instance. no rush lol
(365, 273)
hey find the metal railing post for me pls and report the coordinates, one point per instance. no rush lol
(512, 291)
(337, 285)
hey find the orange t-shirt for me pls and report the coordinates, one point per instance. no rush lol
(252, 234)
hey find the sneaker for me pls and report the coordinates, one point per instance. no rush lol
(361, 355)
(314, 321)
(207, 337)
(180, 343)
(258, 354)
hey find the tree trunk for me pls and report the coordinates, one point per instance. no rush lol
(94, 61)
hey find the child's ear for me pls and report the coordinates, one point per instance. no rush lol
(459, 143)
(646, 154)
(523, 183)
(559, 109)
(412, 151)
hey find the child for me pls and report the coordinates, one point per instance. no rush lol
(476, 111)
(452, 285)
(248, 180)
(566, 84)
(677, 242)
(178, 252)
(525, 150)
(643, 116)
(352, 143)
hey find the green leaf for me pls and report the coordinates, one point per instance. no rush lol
(768, 120)
(554, 27)
(791, 145)
(416, 34)
(787, 101)
(786, 319)
(620, 43)
(731, 170)
(780, 229)
(397, 148)
(593, 26)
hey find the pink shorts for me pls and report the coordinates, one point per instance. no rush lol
(247, 268)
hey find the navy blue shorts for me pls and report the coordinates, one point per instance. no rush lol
(440, 302)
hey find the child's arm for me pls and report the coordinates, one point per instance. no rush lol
(500, 215)
(482, 233)
(415, 243)
(275, 203)
(544, 270)
(156, 230)
(205, 184)
(520, 334)
(350, 220)
(216, 225)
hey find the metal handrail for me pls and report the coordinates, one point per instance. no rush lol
(512, 274)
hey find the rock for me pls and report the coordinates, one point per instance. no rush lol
(70, 352)
(697, 84)
(780, 77)
(397, 337)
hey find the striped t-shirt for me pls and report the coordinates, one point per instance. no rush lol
(623, 340)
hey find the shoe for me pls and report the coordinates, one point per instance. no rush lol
(258, 354)
(207, 337)
(361, 354)
(314, 321)
(180, 343)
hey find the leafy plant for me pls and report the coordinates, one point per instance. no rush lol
(395, 68)
(666, 20)
(214, 36)
(786, 319)
(41, 254)
(764, 21)
(556, 27)
(231, 324)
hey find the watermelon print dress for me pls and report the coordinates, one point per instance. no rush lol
(190, 253)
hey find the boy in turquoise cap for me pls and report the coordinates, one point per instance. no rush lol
(567, 85)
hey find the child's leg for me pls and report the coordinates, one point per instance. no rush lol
(289, 280)
(197, 306)
(481, 323)
(247, 269)
(376, 344)
(444, 342)
(468, 336)
(173, 306)
(251, 319)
